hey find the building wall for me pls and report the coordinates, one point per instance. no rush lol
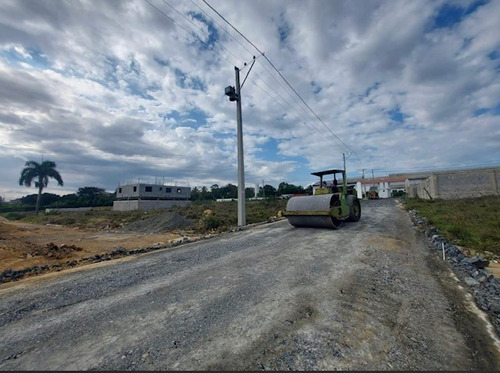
(152, 191)
(140, 204)
(384, 188)
(460, 184)
(411, 185)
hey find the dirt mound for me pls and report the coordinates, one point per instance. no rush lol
(158, 224)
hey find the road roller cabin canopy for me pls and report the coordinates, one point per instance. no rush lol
(321, 189)
(327, 172)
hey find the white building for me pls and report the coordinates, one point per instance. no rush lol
(150, 197)
(385, 186)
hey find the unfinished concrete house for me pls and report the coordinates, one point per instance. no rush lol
(142, 196)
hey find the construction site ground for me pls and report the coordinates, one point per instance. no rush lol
(24, 245)
(368, 296)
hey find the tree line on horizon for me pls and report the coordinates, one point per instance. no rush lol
(39, 174)
(98, 197)
(230, 191)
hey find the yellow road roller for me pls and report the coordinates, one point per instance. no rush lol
(329, 207)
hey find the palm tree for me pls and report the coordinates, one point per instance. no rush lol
(40, 174)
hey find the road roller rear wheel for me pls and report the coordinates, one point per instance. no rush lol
(354, 208)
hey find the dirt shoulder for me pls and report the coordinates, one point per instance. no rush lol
(46, 248)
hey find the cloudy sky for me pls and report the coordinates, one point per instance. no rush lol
(120, 91)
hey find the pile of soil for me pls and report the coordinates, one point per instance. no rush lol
(158, 224)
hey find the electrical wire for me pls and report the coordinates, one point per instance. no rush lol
(245, 64)
(188, 31)
(221, 27)
(281, 75)
(313, 115)
(203, 31)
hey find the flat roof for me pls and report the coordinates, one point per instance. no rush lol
(327, 172)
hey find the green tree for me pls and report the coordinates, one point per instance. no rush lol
(267, 191)
(229, 191)
(216, 191)
(195, 194)
(94, 196)
(205, 194)
(285, 188)
(39, 174)
(90, 193)
(249, 192)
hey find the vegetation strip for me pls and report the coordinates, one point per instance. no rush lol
(484, 287)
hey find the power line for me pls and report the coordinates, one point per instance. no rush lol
(203, 31)
(188, 31)
(208, 15)
(281, 75)
(245, 64)
(234, 28)
(262, 54)
(489, 164)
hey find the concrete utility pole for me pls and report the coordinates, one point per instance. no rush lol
(242, 217)
(234, 95)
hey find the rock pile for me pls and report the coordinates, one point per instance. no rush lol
(484, 287)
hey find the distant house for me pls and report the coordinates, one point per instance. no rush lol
(385, 186)
(142, 196)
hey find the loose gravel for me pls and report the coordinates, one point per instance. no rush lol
(369, 296)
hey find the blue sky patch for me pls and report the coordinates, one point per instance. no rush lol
(372, 88)
(396, 115)
(161, 62)
(316, 87)
(450, 14)
(495, 110)
(283, 29)
(495, 55)
(213, 34)
(35, 59)
(185, 81)
(193, 118)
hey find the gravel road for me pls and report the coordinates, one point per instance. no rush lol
(269, 297)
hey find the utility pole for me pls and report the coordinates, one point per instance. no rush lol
(234, 94)
(242, 217)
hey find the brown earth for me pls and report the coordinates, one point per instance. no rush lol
(24, 245)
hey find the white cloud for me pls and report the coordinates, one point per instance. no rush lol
(115, 91)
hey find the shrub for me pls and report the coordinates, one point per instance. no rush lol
(15, 215)
(212, 222)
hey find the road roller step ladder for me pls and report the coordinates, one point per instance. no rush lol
(329, 207)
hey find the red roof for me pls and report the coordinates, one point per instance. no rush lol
(383, 180)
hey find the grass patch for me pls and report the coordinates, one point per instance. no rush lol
(223, 215)
(470, 222)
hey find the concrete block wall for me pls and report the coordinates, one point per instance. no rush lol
(140, 204)
(460, 184)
